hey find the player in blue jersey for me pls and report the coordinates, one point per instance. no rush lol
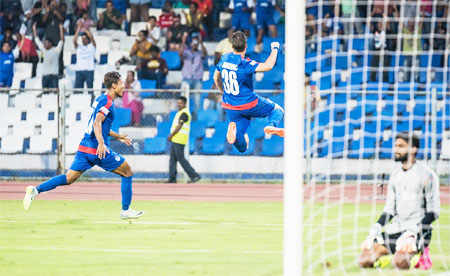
(234, 78)
(94, 150)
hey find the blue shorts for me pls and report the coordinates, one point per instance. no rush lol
(6, 81)
(242, 117)
(264, 19)
(85, 161)
(240, 21)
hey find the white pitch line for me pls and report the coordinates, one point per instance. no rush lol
(168, 223)
(114, 250)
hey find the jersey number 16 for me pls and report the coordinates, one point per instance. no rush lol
(230, 83)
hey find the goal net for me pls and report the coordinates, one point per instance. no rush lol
(373, 69)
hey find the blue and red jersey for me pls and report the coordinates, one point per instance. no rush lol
(237, 78)
(103, 104)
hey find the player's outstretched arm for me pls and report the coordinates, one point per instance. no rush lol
(271, 60)
(218, 81)
(101, 149)
(121, 137)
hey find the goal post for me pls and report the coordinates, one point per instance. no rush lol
(294, 164)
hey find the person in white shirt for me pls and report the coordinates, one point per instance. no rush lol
(154, 31)
(84, 68)
(50, 66)
(412, 204)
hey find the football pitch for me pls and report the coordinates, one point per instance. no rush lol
(71, 237)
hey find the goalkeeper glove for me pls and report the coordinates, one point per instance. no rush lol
(374, 234)
(406, 243)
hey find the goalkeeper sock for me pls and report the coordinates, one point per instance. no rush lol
(383, 261)
(52, 183)
(127, 192)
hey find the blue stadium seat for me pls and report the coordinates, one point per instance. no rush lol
(366, 151)
(121, 148)
(249, 151)
(324, 118)
(356, 113)
(435, 60)
(256, 130)
(337, 149)
(155, 145)
(251, 42)
(147, 84)
(359, 44)
(192, 145)
(386, 149)
(325, 83)
(220, 129)
(213, 145)
(273, 146)
(123, 117)
(172, 59)
(339, 131)
(330, 44)
(263, 85)
(163, 129)
(207, 84)
(209, 117)
(310, 66)
(275, 75)
(342, 61)
(198, 129)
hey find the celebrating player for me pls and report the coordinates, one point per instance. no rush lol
(234, 76)
(412, 203)
(94, 150)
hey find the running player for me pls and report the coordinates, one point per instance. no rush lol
(412, 204)
(234, 76)
(94, 150)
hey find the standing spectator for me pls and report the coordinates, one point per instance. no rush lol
(439, 41)
(264, 18)
(140, 49)
(36, 17)
(84, 23)
(411, 47)
(349, 10)
(51, 58)
(139, 10)
(193, 19)
(205, 7)
(84, 69)
(241, 10)
(154, 31)
(8, 37)
(179, 136)
(52, 19)
(27, 50)
(192, 70)
(223, 47)
(11, 16)
(154, 68)
(379, 44)
(7, 57)
(166, 18)
(175, 34)
(132, 99)
(110, 21)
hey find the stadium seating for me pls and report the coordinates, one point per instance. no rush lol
(147, 84)
(209, 117)
(164, 129)
(214, 145)
(172, 59)
(198, 129)
(155, 145)
(273, 146)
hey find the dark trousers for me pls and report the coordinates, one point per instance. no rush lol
(50, 81)
(177, 154)
(376, 63)
(84, 76)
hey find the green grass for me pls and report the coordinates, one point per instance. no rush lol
(182, 238)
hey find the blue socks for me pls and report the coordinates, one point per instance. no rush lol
(52, 183)
(125, 188)
(275, 117)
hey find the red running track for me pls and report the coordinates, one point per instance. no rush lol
(204, 192)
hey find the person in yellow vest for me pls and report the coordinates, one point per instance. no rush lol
(179, 136)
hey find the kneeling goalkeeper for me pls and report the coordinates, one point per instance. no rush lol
(412, 204)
